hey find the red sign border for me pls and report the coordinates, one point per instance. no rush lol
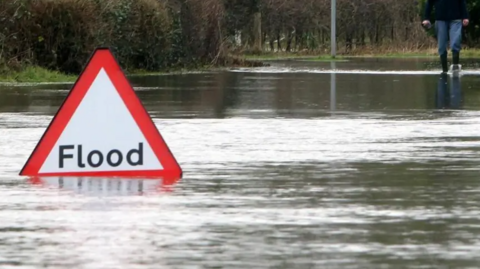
(102, 57)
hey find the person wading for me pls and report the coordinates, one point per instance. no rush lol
(450, 15)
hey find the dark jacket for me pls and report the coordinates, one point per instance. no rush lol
(446, 10)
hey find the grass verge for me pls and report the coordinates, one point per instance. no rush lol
(35, 74)
(427, 53)
(322, 56)
(292, 56)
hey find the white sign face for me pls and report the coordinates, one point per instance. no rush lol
(101, 136)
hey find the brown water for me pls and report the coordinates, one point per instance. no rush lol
(290, 166)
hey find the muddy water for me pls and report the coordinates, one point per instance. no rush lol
(292, 166)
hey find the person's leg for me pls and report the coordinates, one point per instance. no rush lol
(456, 40)
(441, 28)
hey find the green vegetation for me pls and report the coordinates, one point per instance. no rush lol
(32, 74)
(429, 53)
(35, 74)
(40, 74)
(143, 34)
(159, 36)
(293, 55)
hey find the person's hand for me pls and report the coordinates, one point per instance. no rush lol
(426, 23)
(465, 22)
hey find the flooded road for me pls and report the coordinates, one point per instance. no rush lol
(288, 166)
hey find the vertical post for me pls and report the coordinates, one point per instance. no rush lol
(333, 87)
(333, 34)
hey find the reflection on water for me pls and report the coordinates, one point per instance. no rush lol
(264, 95)
(281, 170)
(449, 95)
(333, 87)
(106, 186)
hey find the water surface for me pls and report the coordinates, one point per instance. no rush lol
(289, 166)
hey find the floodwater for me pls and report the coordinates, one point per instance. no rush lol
(376, 165)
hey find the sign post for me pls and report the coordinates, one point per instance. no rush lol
(333, 34)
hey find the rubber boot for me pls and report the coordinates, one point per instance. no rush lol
(443, 60)
(456, 57)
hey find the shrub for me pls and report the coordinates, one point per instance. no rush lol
(139, 33)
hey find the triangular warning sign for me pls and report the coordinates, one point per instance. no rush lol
(102, 129)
